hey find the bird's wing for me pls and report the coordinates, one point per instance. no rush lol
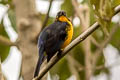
(55, 39)
(40, 58)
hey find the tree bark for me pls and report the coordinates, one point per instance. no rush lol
(28, 27)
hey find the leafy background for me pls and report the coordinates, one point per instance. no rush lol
(62, 69)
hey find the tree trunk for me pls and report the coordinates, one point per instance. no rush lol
(28, 27)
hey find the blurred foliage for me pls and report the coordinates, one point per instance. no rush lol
(103, 9)
(4, 50)
(116, 39)
(50, 19)
(95, 4)
(115, 3)
(98, 35)
(67, 6)
(100, 61)
(78, 51)
(61, 69)
(4, 2)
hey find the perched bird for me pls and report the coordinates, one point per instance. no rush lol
(54, 38)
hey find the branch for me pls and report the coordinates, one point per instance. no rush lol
(117, 10)
(79, 39)
(46, 19)
(47, 15)
(5, 41)
(95, 42)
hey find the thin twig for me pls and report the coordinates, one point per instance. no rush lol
(46, 19)
(117, 9)
(79, 39)
(5, 41)
(95, 42)
(47, 15)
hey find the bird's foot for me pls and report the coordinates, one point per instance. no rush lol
(59, 53)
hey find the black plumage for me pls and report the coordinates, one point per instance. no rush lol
(50, 41)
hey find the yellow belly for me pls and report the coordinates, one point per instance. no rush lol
(69, 36)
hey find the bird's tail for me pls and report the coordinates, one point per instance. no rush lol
(40, 60)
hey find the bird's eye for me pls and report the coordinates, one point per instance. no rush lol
(62, 13)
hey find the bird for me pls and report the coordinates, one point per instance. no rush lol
(54, 38)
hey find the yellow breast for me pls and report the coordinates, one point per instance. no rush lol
(69, 31)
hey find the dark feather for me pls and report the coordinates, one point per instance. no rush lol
(50, 41)
(40, 59)
(55, 38)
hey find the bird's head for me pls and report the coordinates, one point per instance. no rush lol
(61, 16)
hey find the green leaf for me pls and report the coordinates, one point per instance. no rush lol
(12, 17)
(4, 50)
(67, 6)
